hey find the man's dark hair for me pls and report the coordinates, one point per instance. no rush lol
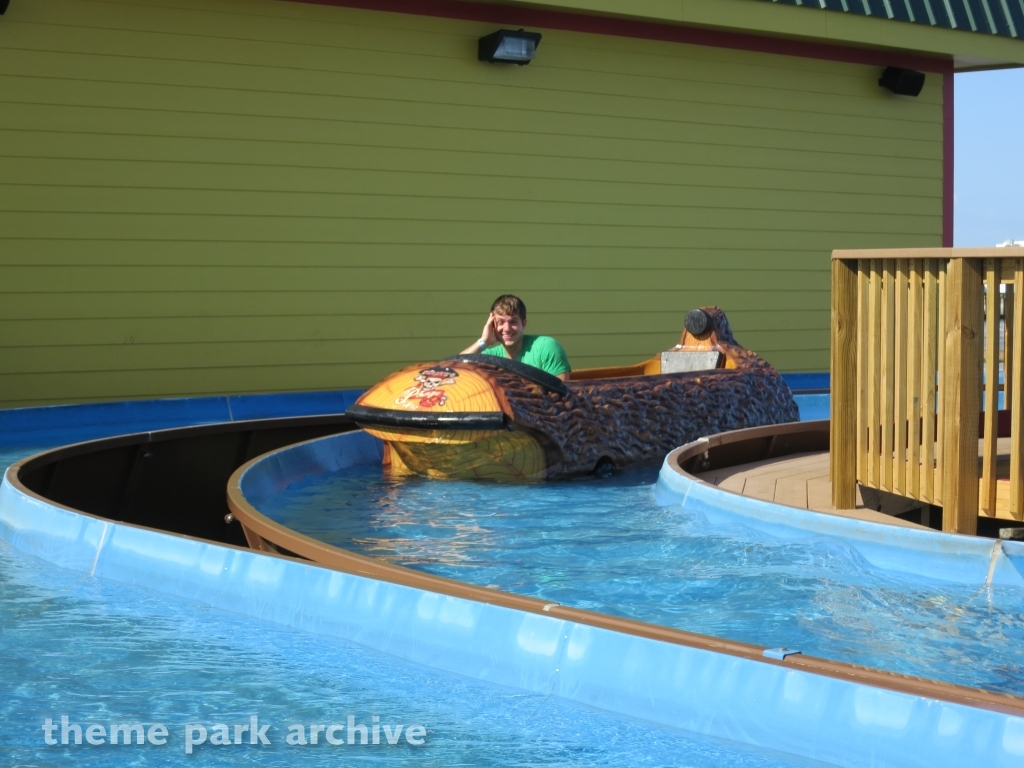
(509, 305)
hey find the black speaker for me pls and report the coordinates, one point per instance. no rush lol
(905, 82)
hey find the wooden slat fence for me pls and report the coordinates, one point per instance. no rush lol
(926, 370)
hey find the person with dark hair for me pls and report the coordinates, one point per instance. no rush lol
(504, 336)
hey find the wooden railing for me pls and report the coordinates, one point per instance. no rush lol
(922, 340)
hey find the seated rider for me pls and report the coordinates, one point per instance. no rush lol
(504, 336)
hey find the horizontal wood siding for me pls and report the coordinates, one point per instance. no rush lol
(215, 196)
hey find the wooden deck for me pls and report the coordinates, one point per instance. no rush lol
(800, 480)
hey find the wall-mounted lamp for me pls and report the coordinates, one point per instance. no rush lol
(905, 82)
(508, 46)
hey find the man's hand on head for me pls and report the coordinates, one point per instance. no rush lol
(490, 334)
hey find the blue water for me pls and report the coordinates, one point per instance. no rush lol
(812, 407)
(605, 545)
(101, 653)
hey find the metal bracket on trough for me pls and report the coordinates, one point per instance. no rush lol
(780, 653)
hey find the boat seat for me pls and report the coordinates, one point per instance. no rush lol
(687, 361)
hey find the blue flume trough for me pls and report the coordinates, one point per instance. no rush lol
(946, 557)
(765, 704)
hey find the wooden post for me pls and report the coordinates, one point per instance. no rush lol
(988, 460)
(843, 441)
(888, 378)
(929, 366)
(900, 376)
(940, 397)
(1015, 389)
(863, 430)
(915, 343)
(872, 349)
(1008, 325)
(961, 378)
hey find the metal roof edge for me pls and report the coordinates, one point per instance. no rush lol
(968, 50)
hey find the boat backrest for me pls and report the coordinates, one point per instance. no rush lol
(686, 361)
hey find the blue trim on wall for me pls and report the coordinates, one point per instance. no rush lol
(818, 383)
(64, 424)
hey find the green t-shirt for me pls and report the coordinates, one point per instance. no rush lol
(539, 351)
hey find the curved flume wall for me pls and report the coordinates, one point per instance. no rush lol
(813, 708)
(810, 708)
(957, 558)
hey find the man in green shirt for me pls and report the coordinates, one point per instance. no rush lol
(504, 336)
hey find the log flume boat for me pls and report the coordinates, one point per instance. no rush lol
(486, 417)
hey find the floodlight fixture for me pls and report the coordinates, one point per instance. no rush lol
(509, 46)
(905, 82)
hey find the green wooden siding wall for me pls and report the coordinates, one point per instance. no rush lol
(210, 196)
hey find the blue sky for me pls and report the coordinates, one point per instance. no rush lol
(988, 176)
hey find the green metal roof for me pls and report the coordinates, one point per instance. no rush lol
(991, 17)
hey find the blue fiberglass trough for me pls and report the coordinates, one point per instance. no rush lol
(749, 700)
(945, 557)
(760, 704)
(764, 704)
(100, 648)
(103, 650)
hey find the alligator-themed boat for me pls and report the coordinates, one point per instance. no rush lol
(487, 417)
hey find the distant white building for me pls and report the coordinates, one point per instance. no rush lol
(1011, 244)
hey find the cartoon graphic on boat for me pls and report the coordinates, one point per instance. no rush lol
(428, 393)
